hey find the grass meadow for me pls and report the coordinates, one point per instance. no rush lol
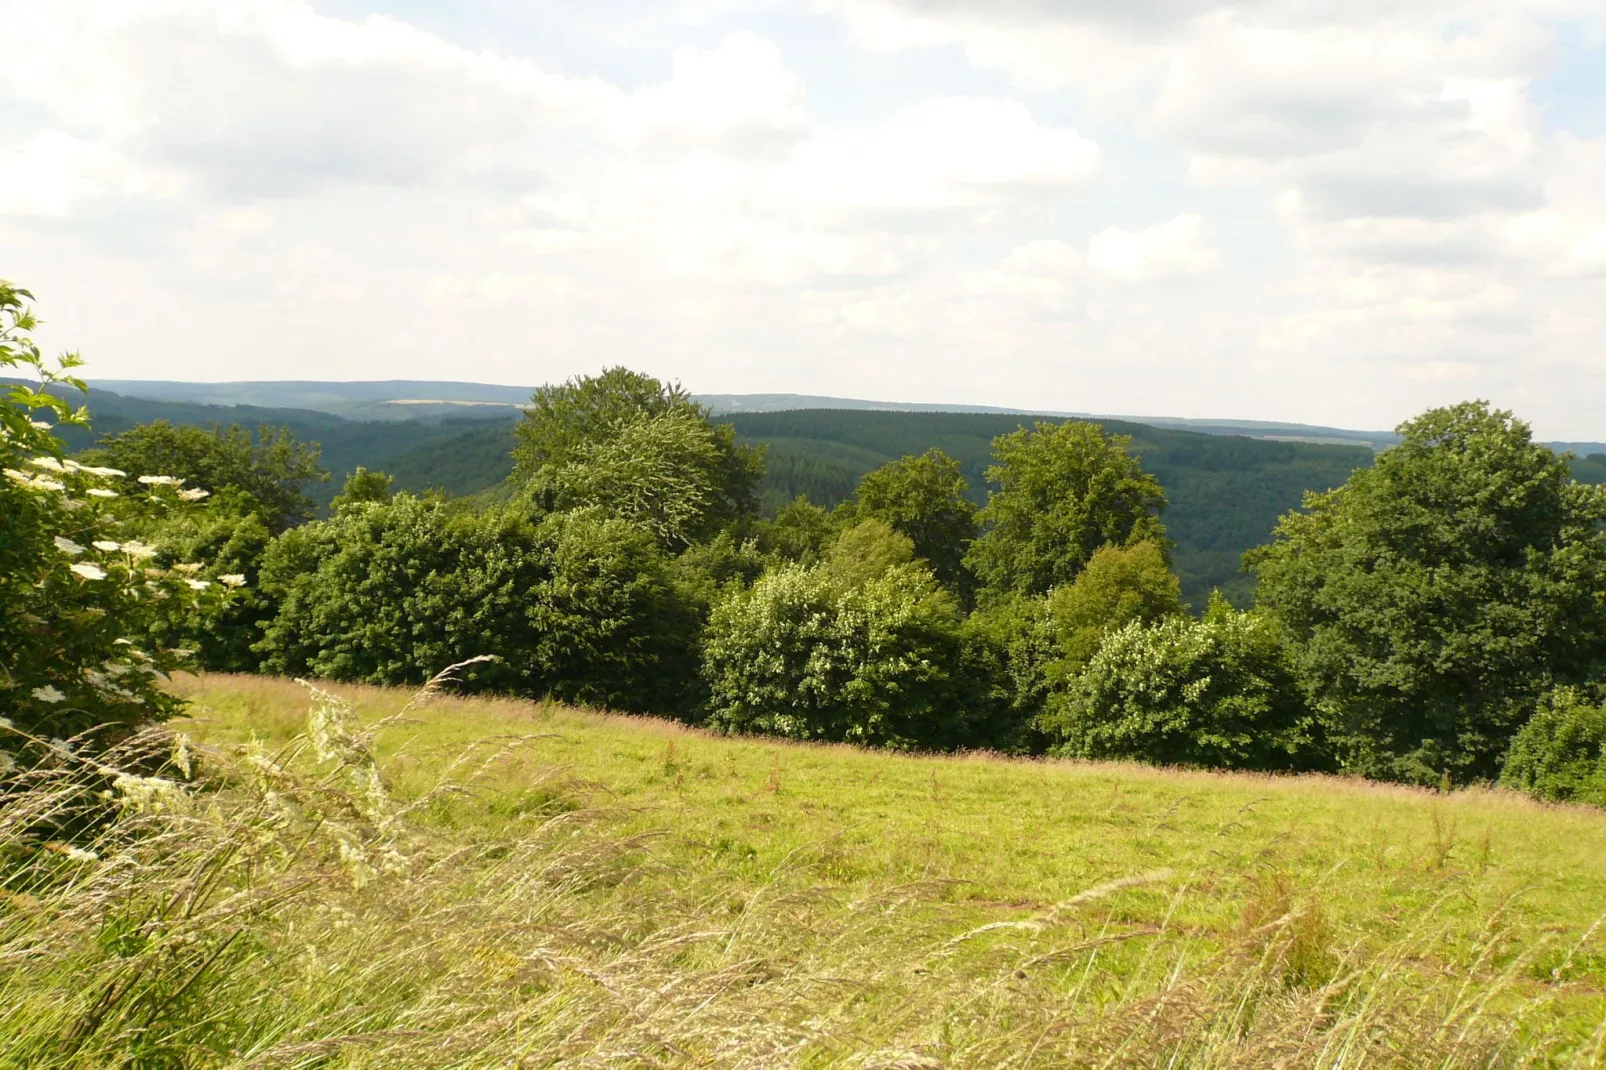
(394, 882)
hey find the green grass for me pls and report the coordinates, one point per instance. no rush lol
(612, 891)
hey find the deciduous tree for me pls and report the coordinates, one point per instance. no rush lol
(1063, 490)
(1435, 596)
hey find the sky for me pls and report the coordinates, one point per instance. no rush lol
(1271, 209)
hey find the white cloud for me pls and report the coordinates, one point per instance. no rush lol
(739, 94)
(267, 97)
(951, 152)
(1179, 247)
(47, 174)
(1375, 215)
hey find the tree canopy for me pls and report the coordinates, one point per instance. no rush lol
(924, 498)
(272, 467)
(1063, 491)
(625, 442)
(1436, 595)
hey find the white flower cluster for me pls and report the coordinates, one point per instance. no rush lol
(147, 793)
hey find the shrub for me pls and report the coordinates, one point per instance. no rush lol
(1011, 651)
(77, 597)
(1560, 754)
(804, 654)
(1216, 692)
(576, 606)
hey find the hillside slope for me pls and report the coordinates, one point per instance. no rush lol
(615, 891)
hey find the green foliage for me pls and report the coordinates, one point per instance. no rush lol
(77, 597)
(805, 655)
(1120, 584)
(1064, 490)
(1560, 754)
(867, 551)
(1217, 692)
(925, 499)
(272, 468)
(577, 605)
(1225, 492)
(1013, 654)
(1437, 595)
(228, 538)
(799, 532)
(661, 471)
(638, 447)
(363, 486)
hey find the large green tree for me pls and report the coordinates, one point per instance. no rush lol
(924, 498)
(1436, 595)
(272, 467)
(636, 448)
(1063, 491)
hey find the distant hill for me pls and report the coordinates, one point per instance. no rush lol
(395, 399)
(406, 399)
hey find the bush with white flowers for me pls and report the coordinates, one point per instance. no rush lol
(76, 596)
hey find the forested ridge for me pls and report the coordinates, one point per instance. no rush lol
(1226, 492)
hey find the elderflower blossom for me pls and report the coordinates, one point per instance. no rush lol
(94, 471)
(194, 494)
(33, 482)
(49, 464)
(49, 694)
(101, 492)
(187, 567)
(163, 481)
(88, 572)
(232, 579)
(106, 545)
(67, 546)
(198, 585)
(135, 548)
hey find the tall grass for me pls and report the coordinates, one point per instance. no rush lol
(312, 903)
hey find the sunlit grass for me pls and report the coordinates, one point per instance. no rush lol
(612, 891)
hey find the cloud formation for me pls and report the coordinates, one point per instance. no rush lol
(1173, 206)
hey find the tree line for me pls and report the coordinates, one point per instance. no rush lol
(1439, 619)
